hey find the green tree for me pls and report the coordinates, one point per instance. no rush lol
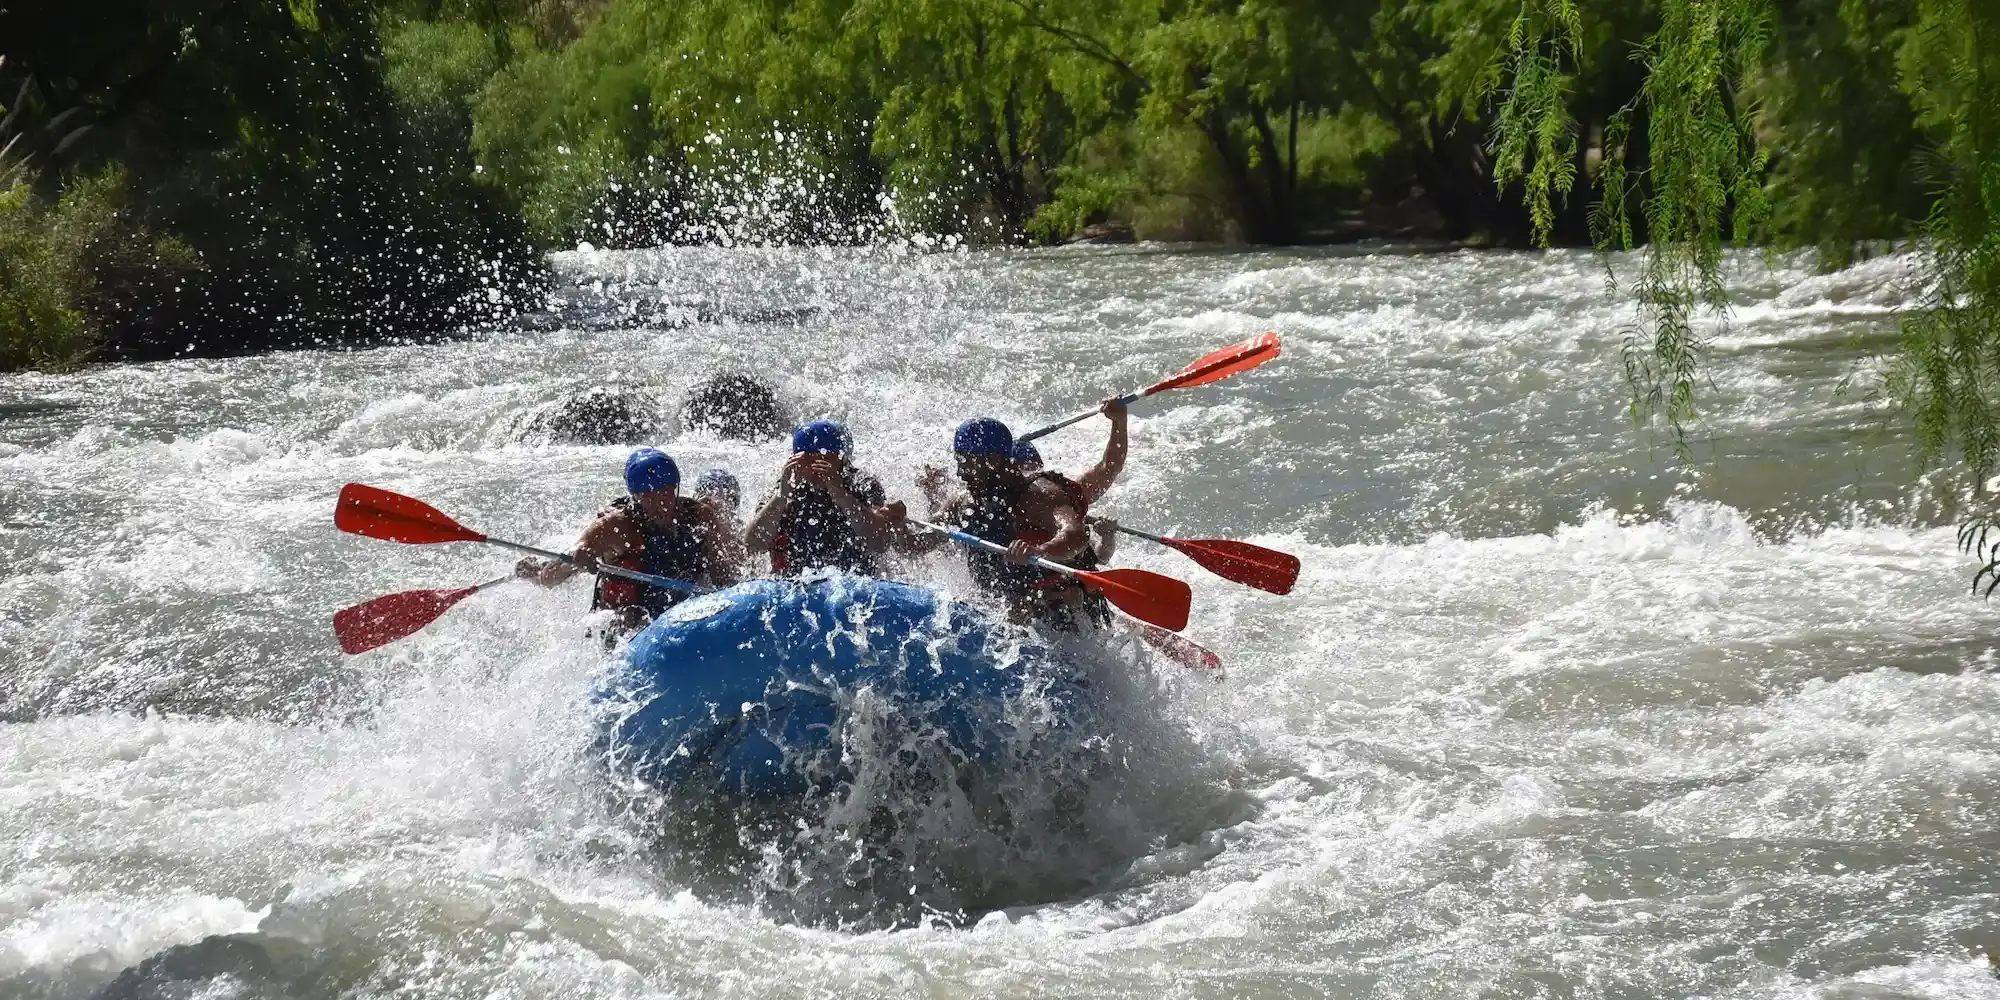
(1244, 73)
(1699, 174)
(1847, 152)
(1949, 62)
(264, 142)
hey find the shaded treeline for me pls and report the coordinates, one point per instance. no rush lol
(211, 176)
(216, 175)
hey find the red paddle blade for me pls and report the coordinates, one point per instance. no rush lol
(385, 619)
(1147, 596)
(1231, 360)
(1247, 564)
(393, 517)
(1183, 651)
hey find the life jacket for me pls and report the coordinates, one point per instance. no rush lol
(1053, 597)
(674, 553)
(816, 534)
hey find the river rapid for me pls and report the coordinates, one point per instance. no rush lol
(1545, 716)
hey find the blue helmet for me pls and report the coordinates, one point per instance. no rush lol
(650, 469)
(720, 483)
(1025, 452)
(823, 437)
(983, 436)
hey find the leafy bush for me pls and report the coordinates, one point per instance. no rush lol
(284, 182)
(435, 69)
(46, 273)
(559, 131)
(1159, 182)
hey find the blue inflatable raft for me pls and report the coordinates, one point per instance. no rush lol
(743, 691)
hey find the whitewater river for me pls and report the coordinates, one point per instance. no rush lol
(1544, 717)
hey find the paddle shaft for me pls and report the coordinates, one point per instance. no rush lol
(1127, 399)
(980, 543)
(618, 571)
(1133, 531)
(393, 517)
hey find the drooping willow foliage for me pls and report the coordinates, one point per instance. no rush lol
(1949, 371)
(1535, 133)
(1701, 185)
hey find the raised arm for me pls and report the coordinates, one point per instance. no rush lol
(721, 551)
(1098, 478)
(944, 510)
(875, 519)
(763, 527)
(938, 492)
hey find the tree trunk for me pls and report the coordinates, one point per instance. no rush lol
(1280, 210)
(1235, 161)
(1012, 193)
(1458, 182)
(1292, 147)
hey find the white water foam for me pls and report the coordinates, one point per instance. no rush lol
(1541, 718)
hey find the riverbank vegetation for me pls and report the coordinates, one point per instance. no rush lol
(217, 175)
(270, 173)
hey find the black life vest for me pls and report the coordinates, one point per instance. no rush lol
(816, 534)
(995, 517)
(674, 553)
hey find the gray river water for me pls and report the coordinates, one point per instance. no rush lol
(1544, 717)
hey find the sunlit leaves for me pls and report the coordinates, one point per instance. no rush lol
(1948, 376)
(1701, 185)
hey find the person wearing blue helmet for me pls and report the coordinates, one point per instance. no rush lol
(1034, 516)
(719, 486)
(652, 529)
(720, 499)
(825, 513)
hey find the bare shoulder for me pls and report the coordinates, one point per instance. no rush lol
(610, 531)
(1044, 491)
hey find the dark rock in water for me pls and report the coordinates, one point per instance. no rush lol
(737, 405)
(1105, 232)
(181, 971)
(596, 415)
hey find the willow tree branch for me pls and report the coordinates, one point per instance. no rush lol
(1083, 44)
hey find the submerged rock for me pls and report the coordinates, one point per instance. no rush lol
(1104, 233)
(737, 405)
(595, 415)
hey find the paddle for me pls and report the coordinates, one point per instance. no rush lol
(1213, 367)
(384, 620)
(1150, 597)
(1242, 562)
(1180, 649)
(393, 517)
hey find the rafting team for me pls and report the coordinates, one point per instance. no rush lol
(826, 514)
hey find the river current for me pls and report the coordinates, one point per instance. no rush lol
(1547, 714)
